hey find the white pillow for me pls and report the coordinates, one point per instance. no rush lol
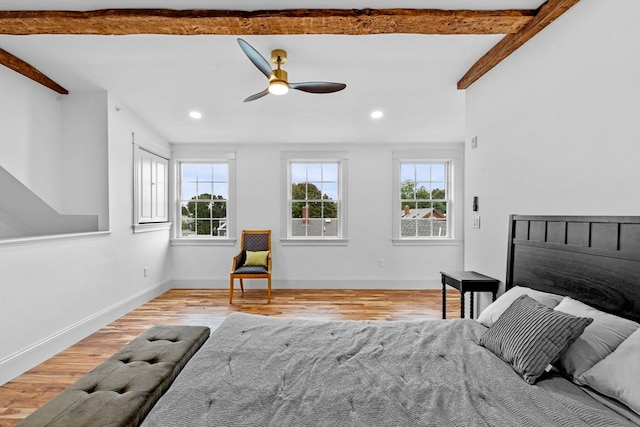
(490, 314)
(618, 375)
(598, 340)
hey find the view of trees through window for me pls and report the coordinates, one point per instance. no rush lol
(423, 200)
(204, 193)
(314, 199)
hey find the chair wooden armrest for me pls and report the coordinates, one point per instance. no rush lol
(237, 261)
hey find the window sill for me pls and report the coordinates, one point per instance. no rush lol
(314, 242)
(151, 226)
(203, 241)
(52, 238)
(426, 242)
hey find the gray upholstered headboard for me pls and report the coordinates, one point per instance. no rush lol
(595, 259)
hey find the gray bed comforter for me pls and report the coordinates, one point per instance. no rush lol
(264, 371)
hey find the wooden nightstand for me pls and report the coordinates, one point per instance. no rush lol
(467, 281)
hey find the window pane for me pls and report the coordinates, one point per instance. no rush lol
(315, 209)
(440, 228)
(203, 227)
(330, 190)
(220, 190)
(329, 210)
(202, 210)
(423, 191)
(408, 227)
(298, 173)
(438, 191)
(298, 228)
(189, 190)
(297, 209)
(438, 172)
(407, 172)
(221, 229)
(189, 172)
(314, 172)
(314, 228)
(407, 190)
(188, 226)
(330, 227)
(313, 191)
(205, 172)
(423, 172)
(330, 172)
(220, 172)
(424, 227)
(204, 190)
(219, 210)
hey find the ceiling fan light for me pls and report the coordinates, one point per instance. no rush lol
(278, 87)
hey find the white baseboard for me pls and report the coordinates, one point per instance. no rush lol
(25, 359)
(307, 283)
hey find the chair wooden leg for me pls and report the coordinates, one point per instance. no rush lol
(241, 285)
(230, 288)
(269, 290)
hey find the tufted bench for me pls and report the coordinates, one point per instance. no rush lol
(122, 390)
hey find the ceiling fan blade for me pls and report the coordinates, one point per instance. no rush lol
(255, 57)
(257, 95)
(318, 87)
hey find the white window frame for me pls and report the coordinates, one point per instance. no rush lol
(339, 157)
(158, 189)
(183, 155)
(453, 156)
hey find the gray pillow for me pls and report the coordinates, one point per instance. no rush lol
(599, 339)
(617, 374)
(530, 336)
(490, 314)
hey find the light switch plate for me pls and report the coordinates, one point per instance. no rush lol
(476, 221)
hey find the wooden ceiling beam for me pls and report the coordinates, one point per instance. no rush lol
(267, 22)
(547, 13)
(27, 70)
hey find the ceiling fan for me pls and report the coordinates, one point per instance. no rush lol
(278, 78)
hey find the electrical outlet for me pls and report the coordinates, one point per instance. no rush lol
(145, 271)
(380, 263)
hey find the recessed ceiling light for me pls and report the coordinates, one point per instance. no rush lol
(195, 114)
(376, 114)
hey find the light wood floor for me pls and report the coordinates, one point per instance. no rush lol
(24, 394)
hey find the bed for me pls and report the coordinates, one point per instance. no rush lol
(575, 274)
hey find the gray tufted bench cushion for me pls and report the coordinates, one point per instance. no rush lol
(122, 390)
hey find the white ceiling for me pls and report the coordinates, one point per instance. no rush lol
(411, 78)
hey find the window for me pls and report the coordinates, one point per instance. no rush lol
(315, 208)
(203, 199)
(151, 191)
(423, 199)
(426, 186)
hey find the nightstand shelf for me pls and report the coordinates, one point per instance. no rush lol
(467, 281)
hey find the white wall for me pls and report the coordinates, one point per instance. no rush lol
(54, 292)
(260, 189)
(558, 127)
(30, 114)
(85, 156)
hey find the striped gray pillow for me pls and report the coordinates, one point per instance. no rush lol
(529, 336)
